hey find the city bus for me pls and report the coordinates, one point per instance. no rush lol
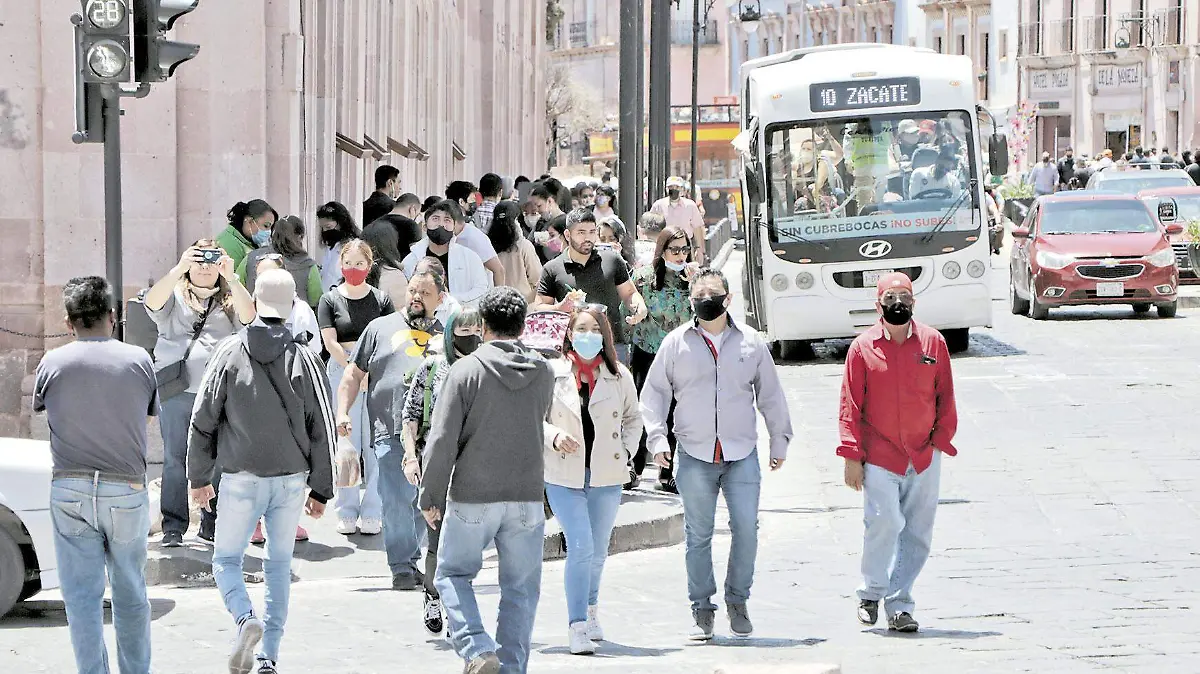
(859, 160)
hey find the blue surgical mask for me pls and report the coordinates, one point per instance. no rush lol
(675, 266)
(261, 237)
(587, 344)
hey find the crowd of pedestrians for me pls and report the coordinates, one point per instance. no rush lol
(402, 345)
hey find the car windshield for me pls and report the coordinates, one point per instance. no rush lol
(1187, 208)
(1145, 182)
(1096, 217)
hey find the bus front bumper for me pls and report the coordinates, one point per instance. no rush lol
(815, 317)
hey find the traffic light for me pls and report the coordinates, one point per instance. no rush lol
(155, 58)
(104, 41)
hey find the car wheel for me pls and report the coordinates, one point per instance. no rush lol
(1018, 306)
(1037, 310)
(957, 339)
(12, 572)
(1141, 308)
(1168, 310)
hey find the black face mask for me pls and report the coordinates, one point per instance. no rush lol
(332, 237)
(897, 313)
(673, 193)
(709, 308)
(439, 235)
(466, 344)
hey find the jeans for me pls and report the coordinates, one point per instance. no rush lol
(403, 522)
(517, 528)
(698, 482)
(175, 420)
(898, 514)
(587, 516)
(352, 503)
(279, 501)
(98, 526)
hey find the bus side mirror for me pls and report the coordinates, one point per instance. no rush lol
(754, 186)
(998, 154)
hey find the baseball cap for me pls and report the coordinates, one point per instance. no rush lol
(907, 126)
(675, 181)
(896, 280)
(928, 126)
(274, 291)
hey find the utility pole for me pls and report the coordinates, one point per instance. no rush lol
(660, 99)
(695, 191)
(629, 161)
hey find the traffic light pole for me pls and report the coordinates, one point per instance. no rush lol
(112, 202)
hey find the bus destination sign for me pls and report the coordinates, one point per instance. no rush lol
(854, 95)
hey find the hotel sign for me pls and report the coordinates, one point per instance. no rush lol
(1050, 82)
(1119, 78)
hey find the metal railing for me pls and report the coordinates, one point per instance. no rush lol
(709, 114)
(681, 33)
(1061, 36)
(716, 237)
(581, 34)
(1029, 39)
(1168, 26)
(1095, 33)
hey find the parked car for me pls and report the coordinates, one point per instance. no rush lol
(27, 564)
(1133, 178)
(1085, 247)
(1187, 211)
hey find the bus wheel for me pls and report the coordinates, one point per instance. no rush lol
(777, 350)
(798, 350)
(958, 339)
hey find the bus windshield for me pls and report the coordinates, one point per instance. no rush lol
(907, 177)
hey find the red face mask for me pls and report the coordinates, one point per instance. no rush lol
(354, 276)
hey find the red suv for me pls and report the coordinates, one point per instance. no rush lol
(1085, 247)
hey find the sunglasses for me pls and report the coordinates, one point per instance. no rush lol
(888, 298)
(593, 306)
(677, 250)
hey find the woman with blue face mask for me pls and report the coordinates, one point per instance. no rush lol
(592, 432)
(666, 287)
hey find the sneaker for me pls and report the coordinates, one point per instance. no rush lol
(249, 633)
(347, 526)
(739, 620)
(301, 534)
(704, 618)
(257, 538)
(405, 582)
(594, 632)
(668, 486)
(578, 637)
(634, 480)
(433, 615)
(903, 622)
(868, 611)
(369, 526)
(172, 539)
(484, 663)
(207, 534)
(266, 667)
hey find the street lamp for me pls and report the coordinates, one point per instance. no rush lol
(751, 16)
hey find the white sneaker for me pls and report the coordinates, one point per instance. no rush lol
(347, 526)
(249, 633)
(594, 632)
(370, 526)
(580, 643)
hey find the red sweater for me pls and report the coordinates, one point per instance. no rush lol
(897, 400)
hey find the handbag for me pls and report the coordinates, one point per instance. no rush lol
(173, 378)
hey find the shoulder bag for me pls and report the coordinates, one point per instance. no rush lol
(173, 378)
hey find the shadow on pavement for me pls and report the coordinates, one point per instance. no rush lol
(934, 634)
(53, 613)
(834, 351)
(608, 649)
(760, 642)
(319, 552)
(367, 542)
(807, 510)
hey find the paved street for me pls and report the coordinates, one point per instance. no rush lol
(1066, 541)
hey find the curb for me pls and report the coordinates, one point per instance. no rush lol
(655, 533)
(722, 255)
(1189, 301)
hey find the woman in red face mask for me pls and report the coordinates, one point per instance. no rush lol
(343, 315)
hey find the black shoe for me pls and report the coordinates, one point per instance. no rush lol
(172, 539)
(405, 582)
(868, 612)
(634, 480)
(903, 622)
(668, 486)
(206, 534)
(434, 624)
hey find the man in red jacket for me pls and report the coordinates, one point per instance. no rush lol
(897, 417)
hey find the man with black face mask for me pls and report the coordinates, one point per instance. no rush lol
(719, 373)
(682, 212)
(897, 418)
(466, 276)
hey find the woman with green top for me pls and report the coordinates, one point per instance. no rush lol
(665, 286)
(286, 241)
(249, 227)
(461, 337)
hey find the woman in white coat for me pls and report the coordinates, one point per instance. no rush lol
(592, 431)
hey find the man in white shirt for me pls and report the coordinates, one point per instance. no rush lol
(466, 274)
(941, 175)
(1044, 176)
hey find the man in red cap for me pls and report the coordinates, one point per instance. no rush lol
(897, 417)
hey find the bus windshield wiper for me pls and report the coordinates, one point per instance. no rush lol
(949, 213)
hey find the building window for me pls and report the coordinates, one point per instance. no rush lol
(962, 45)
(1003, 53)
(937, 44)
(766, 47)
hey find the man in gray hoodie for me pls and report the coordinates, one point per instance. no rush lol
(487, 433)
(263, 413)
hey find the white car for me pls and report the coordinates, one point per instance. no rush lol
(27, 563)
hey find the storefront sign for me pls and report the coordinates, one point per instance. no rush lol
(1053, 81)
(1118, 78)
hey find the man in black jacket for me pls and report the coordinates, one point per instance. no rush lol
(264, 414)
(1066, 169)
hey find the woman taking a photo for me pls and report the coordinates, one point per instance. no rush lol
(249, 227)
(196, 305)
(592, 431)
(337, 227)
(665, 286)
(287, 241)
(343, 315)
(522, 268)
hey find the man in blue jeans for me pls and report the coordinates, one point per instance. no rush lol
(263, 413)
(97, 393)
(718, 373)
(390, 350)
(485, 448)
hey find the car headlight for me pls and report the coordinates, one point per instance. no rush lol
(804, 280)
(951, 270)
(976, 268)
(1163, 257)
(779, 283)
(1052, 260)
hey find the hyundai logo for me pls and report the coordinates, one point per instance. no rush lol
(876, 248)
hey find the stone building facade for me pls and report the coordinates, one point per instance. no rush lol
(294, 101)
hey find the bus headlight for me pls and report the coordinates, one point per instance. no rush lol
(976, 268)
(951, 270)
(779, 283)
(804, 280)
